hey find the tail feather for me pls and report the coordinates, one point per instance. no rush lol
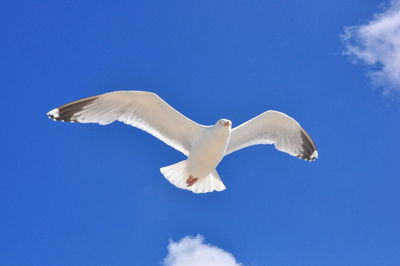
(177, 175)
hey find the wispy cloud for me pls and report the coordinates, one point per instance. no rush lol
(192, 251)
(377, 44)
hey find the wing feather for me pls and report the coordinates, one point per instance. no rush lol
(272, 127)
(144, 110)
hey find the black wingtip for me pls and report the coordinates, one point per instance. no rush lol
(67, 111)
(309, 151)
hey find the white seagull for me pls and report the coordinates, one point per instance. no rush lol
(205, 146)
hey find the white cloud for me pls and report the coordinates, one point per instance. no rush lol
(192, 251)
(377, 44)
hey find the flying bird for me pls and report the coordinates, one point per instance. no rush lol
(204, 146)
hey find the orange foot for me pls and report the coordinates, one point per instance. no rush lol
(191, 181)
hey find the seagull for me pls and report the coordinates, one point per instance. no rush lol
(204, 146)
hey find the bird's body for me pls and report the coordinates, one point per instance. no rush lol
(208, 151)
(205, 146)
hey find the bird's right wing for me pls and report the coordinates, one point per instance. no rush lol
(276, 128)
(144, 110)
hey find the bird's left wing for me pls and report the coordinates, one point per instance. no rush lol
(272, 127)
(144, 110)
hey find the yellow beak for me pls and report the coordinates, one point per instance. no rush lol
(226, 124)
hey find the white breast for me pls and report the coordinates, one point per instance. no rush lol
(208, 151)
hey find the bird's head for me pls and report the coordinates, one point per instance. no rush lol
(224, 123)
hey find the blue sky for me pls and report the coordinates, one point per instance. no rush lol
(93, 195)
